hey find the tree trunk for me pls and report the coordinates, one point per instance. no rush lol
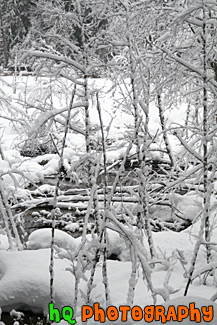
(206, 199)
(5, 45)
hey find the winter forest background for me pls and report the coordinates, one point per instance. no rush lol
(108, 154)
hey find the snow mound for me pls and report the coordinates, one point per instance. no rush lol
(4, 167)
(12, 156)
(116, 245)
(188, 206)
(185, 207)
(4, 245)
(42, 239)
(25, 280)
(45, 189)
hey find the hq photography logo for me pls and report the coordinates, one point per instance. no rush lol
(136, 313)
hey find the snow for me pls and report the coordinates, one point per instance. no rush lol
(4, 245)
(4, 167)
(45, 189)
(24, 281)
(117, 151)
(12, 156)
(52, 166)
(24, 275)
(73, 226)
(42, 239)
(187, 207)
(115, 121)
(16, 314)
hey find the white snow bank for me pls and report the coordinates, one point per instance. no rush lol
(24, 281)
(42, 239)
(116, 245)
(169, 244)
(187, 207)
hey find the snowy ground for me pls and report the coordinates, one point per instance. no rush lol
(24, 280)
(24, 275)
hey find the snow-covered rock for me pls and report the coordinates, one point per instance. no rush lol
(42, 239)
(52, 166)
(45, 189)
